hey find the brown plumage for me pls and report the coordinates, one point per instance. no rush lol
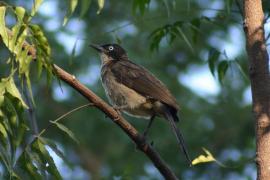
(136, 91)
(142, 81)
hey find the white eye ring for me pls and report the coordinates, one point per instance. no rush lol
(111, 48)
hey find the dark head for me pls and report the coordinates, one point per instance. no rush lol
(111, 51)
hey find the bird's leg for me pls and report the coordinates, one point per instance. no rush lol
(148, 126)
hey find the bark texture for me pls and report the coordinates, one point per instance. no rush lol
(260, 82)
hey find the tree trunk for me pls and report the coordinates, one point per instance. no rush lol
(260, 82)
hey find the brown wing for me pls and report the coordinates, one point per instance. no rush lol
(142, 81)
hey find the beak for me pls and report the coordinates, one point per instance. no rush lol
(97, 47)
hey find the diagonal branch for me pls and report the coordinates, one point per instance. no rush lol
(138, 139)
(119, 120)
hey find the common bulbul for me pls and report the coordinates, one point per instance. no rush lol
(136, 91)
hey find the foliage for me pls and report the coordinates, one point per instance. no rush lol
(204, 159)
(34, 159)
(179, 35)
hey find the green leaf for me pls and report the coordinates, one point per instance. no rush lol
(229, 4)
(46, 159)
(73, 52)
(41, 40)
(18, 33)
(180, 32)
(10, 124)
(10, 112)
(20, 133)
(20, 12)
(43, 49)
(54, 147)
(2, 92)
(222, 69)
(213, 56)
(43, 52)
(3, 131)
(85, 4)
(36, 160)
(14, 175)
(141, 5)
(134, 6)
(24, 60)
(12, 89)
(204, 158)
(29, 87)
(3, 30)
(100, 5)
(5, 160)
(3, 116)
(156, 37)
(66, 130)
(14, 111)
(17, 47)
(71, 8)
(195, 28)
(3, 135)
(238, 65)
(26, 162)
(35, 7)
(208, 157)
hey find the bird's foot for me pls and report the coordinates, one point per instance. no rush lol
(151, 142)
(117, 109)
(143, 142)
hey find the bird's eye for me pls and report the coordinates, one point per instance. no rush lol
(111, 48)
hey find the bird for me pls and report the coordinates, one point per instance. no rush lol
(134, 90)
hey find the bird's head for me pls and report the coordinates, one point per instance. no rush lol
(110, 51)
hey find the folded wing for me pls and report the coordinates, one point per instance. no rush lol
(142, 81)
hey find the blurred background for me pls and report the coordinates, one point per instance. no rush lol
(214, 114)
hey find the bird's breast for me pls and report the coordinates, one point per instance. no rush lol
(122, 96)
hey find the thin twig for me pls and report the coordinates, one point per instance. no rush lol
(63, 116)
(117, 28)
(138, 139)
(37, 135)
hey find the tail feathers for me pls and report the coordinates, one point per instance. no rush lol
(178, 134)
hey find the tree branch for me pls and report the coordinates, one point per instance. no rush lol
(119, 120)
(260, 82)
(138, 139)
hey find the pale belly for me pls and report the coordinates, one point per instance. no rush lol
(127, 99)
